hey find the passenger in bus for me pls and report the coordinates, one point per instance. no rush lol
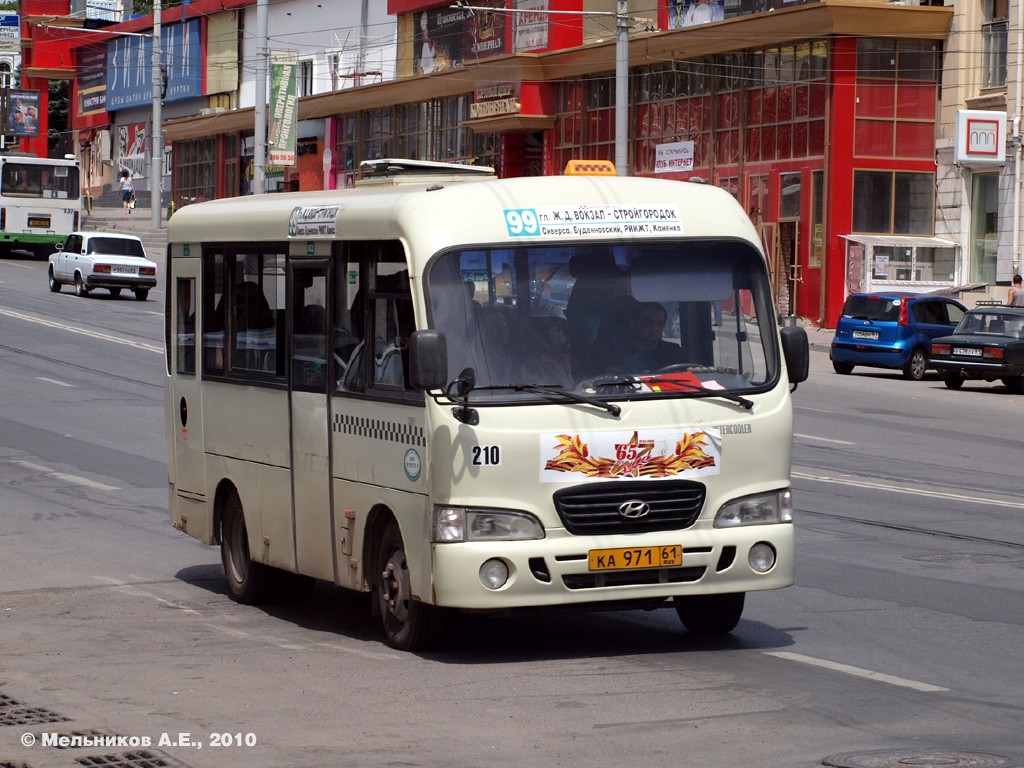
(255, 337)
(547, 356)
(643, 348)
(600, 285)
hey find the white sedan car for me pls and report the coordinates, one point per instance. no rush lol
(102, 260)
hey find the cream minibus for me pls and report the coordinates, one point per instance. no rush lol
(464, 393)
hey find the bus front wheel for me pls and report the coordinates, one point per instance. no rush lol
(710, 614)
(250, 582)
(408, 624)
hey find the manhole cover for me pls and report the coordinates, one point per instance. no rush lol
(140, 759)
(29, 716)
(963, 557)
(72, 739)
(920, 758)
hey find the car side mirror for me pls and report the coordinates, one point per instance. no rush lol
(796, 350)
(60, 247)
(428, 359)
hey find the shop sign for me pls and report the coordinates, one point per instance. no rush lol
(980, 137)
(676, 157)
(494, 100)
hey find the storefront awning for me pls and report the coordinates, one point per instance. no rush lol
(902, 241)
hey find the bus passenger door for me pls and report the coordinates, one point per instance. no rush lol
(310, 429)
(190, 510)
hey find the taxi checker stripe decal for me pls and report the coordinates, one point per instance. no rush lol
(389, 431)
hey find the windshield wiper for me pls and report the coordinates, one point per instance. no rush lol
(635, 383)
(556, 393)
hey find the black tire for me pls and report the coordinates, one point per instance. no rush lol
(708, 615)
(953, 381)
(80, 289)
(250, 583)
(141, 294)
(1015, 384)
(408, 624)
(55, 284)
(917, 365)
(115, 292)
(843, 368)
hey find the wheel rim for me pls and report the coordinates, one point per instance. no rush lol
(917, 364)
(238, 551)
(394, 587)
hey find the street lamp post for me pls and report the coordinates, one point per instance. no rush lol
(622, 23)
(157, 139)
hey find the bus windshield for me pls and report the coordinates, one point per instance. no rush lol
(686, 318)
(34, 179)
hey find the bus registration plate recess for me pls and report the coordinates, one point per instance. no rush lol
(635, 558)
(39, 221)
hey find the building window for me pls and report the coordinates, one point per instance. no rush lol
(432, 130)
(897, 93)
(984, 227)
(993, 40)
(585, 120)
(195, 171)
(875, 198)
(305, 78)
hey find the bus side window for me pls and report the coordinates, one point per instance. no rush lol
(214, 313)
(185, 329)
(347, 323)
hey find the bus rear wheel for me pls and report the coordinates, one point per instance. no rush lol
(408, 624)
(708, 615)
(250, 582)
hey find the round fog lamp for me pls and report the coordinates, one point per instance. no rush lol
(494, 574)
(761, 557)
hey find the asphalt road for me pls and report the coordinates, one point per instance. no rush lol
(900, 640)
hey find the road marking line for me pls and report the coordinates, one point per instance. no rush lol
(862, 483)
(823, 439)
(73, 479)
(83, 331)
(857, 672)
(54, 381)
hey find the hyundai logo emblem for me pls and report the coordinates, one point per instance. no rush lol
(634, 509)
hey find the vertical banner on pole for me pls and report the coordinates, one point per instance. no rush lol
(283, 108)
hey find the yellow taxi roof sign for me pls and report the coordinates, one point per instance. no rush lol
(590, 168)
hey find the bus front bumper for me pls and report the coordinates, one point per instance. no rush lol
(556, 571)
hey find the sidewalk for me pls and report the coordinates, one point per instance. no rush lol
(138, 223)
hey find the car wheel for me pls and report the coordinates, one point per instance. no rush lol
(408, 624)
(250, 582)
(80, 289)
(1015, 384)
(916, 365)
(843, 368)
(710, 614)
(54, 282)
(141, 294)
(954, 381)
(115, 292)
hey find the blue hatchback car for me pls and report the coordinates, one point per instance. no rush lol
(892, 330)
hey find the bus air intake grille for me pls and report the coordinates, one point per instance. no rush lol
(593, 510)
(632, 578)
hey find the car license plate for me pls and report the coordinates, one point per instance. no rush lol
(632, 558)
(966, 352)
(866, 335)
(122, 270)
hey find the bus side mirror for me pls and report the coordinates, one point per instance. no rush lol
(797, 353)
(428, 360)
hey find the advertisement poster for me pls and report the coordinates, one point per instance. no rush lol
(446, 37)
(131, 148)
(283, 108)
(22, 113)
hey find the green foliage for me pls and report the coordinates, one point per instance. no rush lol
(145, 7)
(57, 118)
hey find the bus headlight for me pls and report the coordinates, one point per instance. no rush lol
(762, 509)
(461, 524)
